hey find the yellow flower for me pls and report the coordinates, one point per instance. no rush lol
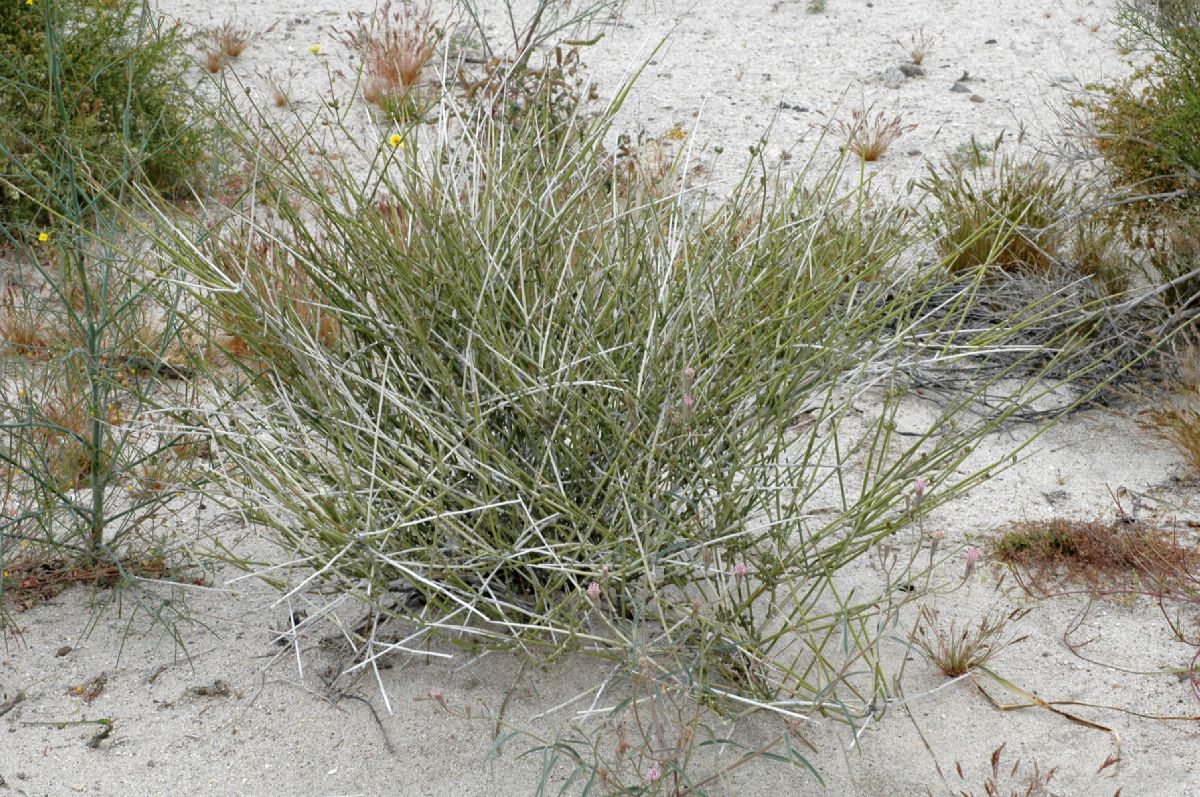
(43, 237)
(28, 2)
(315, 49)
(395, 140)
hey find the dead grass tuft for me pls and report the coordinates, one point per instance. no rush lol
(34, 578)
(920, 43)
(24, 327)
(230, 39)
(1177, 419)
(394, 46)
(868, 136)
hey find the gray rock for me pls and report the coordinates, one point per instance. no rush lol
(911, 70)
(893, 77)
(959, 88)
(976, 98)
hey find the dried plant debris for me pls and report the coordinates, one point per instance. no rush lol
(90, 689)
(217, 688)
(1103, 555)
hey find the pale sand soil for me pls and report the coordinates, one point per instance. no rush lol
(278, 734)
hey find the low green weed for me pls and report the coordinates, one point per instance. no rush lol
(109, 96)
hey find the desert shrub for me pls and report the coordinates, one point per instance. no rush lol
(505, 401)
(89, 106)
(1146, 125)
(84, 450)
(1145, 129)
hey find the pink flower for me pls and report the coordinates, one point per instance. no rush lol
(653, 775)
(593, 591)
(973, 556)
(437, 694)
(740, 570)
(920, 487)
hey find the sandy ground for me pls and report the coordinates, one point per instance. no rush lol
(223, 709)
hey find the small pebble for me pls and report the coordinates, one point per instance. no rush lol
(64, 650)
(959, 88)
(990, 41)
(893, 77)
(976, 98)
(912, 70)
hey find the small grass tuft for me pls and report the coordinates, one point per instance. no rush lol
(395, 46)
(868, 136)
(920, 44)
(957, 650)
(1004, 780)
(230, 39)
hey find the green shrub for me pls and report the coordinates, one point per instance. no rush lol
(506, 400)
(88, 106)
(1147, 125)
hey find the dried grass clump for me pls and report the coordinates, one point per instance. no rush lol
(1177, 419)
(24, 327)
(868, 136)
(1003, 780)
(920, 45)
(1105, 556)
(394, 46)
(230, 39)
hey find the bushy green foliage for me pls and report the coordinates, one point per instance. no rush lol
(1145, 129)
(1147, 125)
(93, 94)
(507, 398)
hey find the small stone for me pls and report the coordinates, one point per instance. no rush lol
(893, 77)
(912, 70)
(64, 650)
(977, 98)
(990, 41)
(912, 153)
(959, 88)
